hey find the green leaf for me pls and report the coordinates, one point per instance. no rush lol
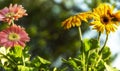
(90, 44)
(43, 61)
(8, 69)
(71, 62)
(37, 61)
(87, 45)
(93, 43)
(55, 69)
(25, 68)
(3, 26)
(25, 53)
(92, 57)
(106, 53)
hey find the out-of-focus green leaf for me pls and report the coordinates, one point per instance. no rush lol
(3, 26)
(8, 69)
(17, 51)
(55, 69)
(71, 62)
(43, 61)
(32, 30)
(37, 61)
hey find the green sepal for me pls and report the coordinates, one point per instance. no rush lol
(17, 51)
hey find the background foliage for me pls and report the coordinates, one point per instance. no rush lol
(43, 24)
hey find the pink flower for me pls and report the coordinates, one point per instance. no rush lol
(12, 36)
(13, 12)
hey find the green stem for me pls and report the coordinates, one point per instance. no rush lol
(83, 54)
(23, 59)
(98, 60)
(100, 52)
(99, 37)
(12, 22)
(80, 33)
(87, 61)
(84, 61)
(104, 44)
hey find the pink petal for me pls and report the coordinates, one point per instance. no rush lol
(21, 43)
(3, 40)
(4, 11)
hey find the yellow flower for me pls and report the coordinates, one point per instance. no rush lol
(104, 19)
(75, 20)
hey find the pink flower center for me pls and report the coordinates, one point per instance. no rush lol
(13, 37)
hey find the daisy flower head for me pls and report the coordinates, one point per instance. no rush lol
(104, 19)
(76, 20)
(13, 12)
(13, 36)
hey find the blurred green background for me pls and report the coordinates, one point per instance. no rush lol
(43, 24)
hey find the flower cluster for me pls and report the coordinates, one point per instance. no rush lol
(14, 56)
(14, 34)
(103, 19)
(92, 56)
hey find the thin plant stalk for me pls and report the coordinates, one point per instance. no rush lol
(104, 44)
(99, 34)
(80, 33)
(100, 52)
(99, 37)
(12, 22)
(83, 54)
(23, 59)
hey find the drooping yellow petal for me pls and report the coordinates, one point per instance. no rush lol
(117, 15)
(76, 20)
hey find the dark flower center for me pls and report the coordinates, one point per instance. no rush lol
(105, 20)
